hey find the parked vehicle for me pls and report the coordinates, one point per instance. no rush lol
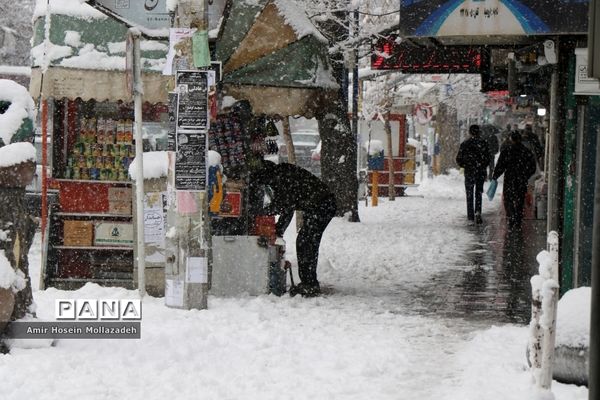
(305, 141)
(315, 160)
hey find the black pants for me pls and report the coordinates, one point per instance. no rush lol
(474, 190)
(514, 203)
(309, 239)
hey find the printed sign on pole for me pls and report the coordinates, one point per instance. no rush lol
(191, 130)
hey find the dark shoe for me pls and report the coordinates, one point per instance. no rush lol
(306, 290)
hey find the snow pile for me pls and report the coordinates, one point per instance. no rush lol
(73, 38)
(214, 158)
(21, 107)
(73, 8)
(156, 165)
(90, 58)
(449, 186)
(16, 153)
(573, 318)
(42, 54)
(296, 17)
(374, 147)
(9, 278)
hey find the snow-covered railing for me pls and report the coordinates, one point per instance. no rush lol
(543, 314)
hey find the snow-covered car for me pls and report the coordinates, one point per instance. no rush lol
(305, 141)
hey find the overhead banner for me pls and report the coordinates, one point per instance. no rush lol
(431, 18)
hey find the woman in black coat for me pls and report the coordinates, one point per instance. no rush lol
(517, 163)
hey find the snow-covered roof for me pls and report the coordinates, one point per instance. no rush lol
(82, 37)
(73, 8)
(298, 20)
(21, 107)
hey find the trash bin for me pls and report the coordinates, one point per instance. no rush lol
(375, 162)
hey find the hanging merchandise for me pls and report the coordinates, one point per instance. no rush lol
(271, 129)
(226, 138)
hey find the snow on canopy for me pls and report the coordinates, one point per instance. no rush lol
(298, 20)
(84, 38)
(156, 165)
(73, 8)
(21, 107)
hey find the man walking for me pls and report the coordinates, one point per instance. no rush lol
(517, 163)
(474, 156)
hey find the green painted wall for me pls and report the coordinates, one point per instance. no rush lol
(592, 124)
(570, 192)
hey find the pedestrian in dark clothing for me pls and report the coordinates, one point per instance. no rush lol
(489, 135)
(474, 156)
(295, 189)
(532, 142)
(517, 163)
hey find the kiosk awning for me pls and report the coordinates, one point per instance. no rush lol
(100, 85)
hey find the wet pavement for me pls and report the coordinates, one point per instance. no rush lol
(493, 283)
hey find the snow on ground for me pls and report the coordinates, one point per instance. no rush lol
(359, 343)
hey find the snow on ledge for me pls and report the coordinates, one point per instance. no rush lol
(16, 153)
(73, 8)
(156, 165)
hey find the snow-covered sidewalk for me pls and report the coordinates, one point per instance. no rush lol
(365, 341)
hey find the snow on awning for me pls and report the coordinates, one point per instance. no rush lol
(73, 83)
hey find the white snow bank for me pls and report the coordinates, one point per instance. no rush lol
(374, 147)
(449, 186)
(72, 8)
(42, 54)
(15, 70)
(573, 318)
(90, 58)
(29, 343)
(16, 153)
(156, 165)
(214, 158)
(21, 107)
(9, 278)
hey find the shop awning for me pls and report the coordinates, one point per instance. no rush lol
(85, 57)
(274, 57)
(58, 82)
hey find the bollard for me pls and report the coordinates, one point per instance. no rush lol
(543, 314)
(548, 320)
(375, 188)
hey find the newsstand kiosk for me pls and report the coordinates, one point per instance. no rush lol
(90, 232)
(246, 258)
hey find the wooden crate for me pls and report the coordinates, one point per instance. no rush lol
(78, 233)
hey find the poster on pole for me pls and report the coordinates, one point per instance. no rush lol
(190, 161)
(191, 124)
(172, 128)
(192, 102)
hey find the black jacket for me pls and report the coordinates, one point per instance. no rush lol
(292, 189)
(474, 156)
(517, 163)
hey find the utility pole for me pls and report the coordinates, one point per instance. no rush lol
(188, 235)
